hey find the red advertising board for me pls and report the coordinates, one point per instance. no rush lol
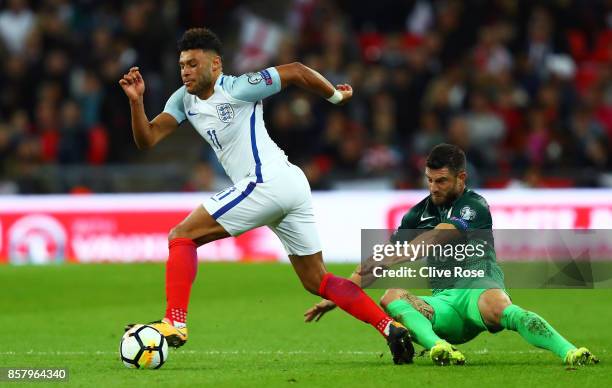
(128, 228)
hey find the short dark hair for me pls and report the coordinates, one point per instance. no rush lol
(200, 38)
(446, 155)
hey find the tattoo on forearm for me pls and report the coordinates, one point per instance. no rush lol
(419, 304)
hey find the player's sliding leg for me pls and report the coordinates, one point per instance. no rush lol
(415, 314)
(538, 332)
(196, 229)
(352, 299)
(497, 310)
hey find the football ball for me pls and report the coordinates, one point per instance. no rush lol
(143, 347)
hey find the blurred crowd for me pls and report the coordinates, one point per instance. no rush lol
(524, 87)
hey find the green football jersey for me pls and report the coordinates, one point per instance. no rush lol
(470, 214)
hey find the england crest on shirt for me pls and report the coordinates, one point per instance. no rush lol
(225, 112)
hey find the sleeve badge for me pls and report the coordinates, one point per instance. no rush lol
(467, 213)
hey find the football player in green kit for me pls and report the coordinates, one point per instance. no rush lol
(456, 313)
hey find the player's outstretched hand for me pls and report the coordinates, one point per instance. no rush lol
(347, 92)
(132, 84)
(318, 310)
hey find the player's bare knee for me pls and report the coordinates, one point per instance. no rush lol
(496, 312)
(174, 233)
(492, 304)
(310, 270)
(391, 295)
(177, 232)
(184, 231)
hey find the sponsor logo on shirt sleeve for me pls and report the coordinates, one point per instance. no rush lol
(266, 76)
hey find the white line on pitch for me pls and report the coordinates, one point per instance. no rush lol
(255, 352)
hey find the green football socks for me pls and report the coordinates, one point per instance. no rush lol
(535, 330)
(419, 326)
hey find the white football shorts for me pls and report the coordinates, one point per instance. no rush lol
(283, 202)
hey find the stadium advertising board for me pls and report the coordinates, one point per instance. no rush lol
(129, 228)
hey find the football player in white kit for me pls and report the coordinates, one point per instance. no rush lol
(227, 111)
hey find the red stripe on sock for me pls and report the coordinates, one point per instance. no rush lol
(181, 269)
(350, 298)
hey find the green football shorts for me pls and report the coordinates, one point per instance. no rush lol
(456, 316)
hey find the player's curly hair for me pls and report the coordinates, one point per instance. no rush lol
(446, 155)
(200, 38)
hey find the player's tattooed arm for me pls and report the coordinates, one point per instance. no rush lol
(146, 133)
(310, 80)
(441, 234)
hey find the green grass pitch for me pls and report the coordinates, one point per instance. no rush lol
(246, 329)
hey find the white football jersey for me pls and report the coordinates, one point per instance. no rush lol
(231, 121)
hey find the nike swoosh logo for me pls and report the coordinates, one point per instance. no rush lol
(191, 114)
(427, 218)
